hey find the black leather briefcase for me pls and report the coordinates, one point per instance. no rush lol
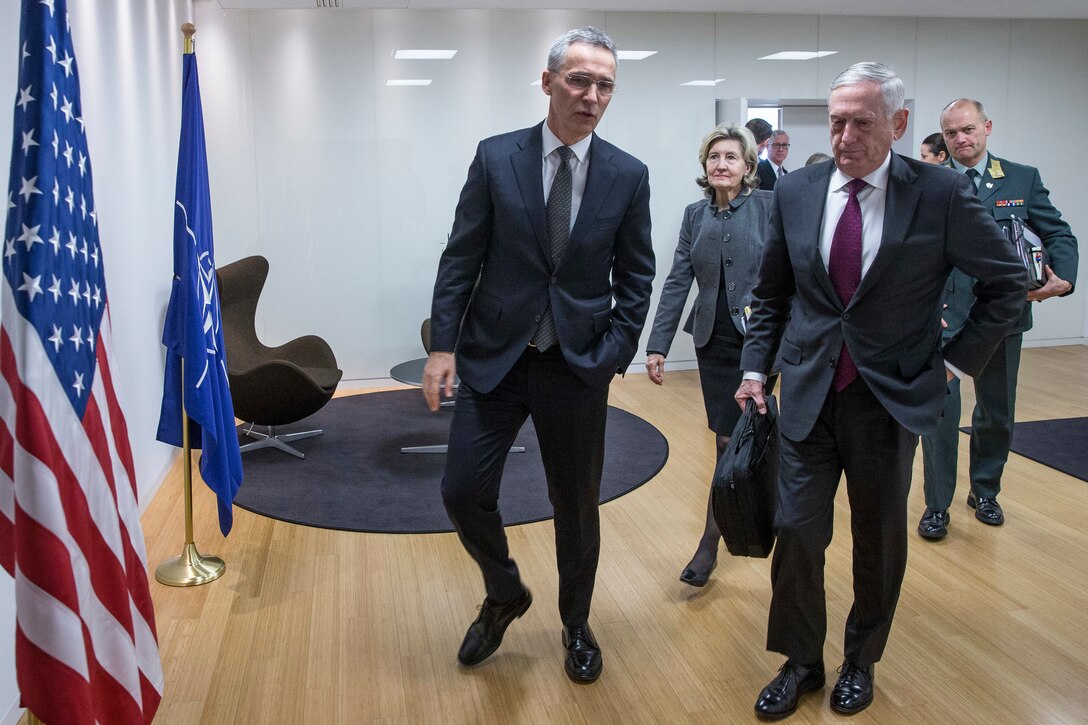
(745, 487)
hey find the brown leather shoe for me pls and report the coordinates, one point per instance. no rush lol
(485, 634)
(780, 698)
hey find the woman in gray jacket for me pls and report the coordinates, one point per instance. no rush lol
(721, 239)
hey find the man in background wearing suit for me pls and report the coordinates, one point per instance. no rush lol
(541, 296)
(770, 169)
(761, 131)
(854, 264)
(1005, 189)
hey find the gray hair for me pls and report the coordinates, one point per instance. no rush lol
(891, 85)
(776, 133)
(971, 101)
(744, 137)
(588, 35)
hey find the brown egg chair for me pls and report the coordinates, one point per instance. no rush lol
(270, 386)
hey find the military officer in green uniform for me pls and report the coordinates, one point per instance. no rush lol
(1005, 189)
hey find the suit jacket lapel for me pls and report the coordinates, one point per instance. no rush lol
(900, 203)
(811, 207)
(528, 164)
(602, 174)
(988, 185)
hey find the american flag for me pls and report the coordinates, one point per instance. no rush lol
(86, 649)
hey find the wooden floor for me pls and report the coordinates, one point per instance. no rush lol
(309, 625)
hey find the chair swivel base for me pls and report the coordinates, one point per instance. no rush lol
(271, 440)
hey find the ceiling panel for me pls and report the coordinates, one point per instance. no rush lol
(1057, 9)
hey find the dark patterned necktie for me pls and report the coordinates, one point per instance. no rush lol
(558, 216)
(844, 268)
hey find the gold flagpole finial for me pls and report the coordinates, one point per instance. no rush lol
(187, 29)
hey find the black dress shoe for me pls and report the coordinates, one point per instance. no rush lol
(934, 524)
(695, 578)
(584, 661)
(485, 634)
(987, 510)
(779, 699)
(854, 690)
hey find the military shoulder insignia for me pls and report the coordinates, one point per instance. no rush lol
(995, 169)
(1009, 202)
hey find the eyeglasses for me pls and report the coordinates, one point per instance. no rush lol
(581, 82)
(780, 146)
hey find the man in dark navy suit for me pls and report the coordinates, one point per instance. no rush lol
(540, 299)
(771, 169)
(853, 270)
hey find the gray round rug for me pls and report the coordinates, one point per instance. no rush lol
(355, 478)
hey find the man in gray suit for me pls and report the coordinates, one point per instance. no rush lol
(539, 301)
(853, 268)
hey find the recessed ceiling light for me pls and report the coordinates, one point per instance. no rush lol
(799, 54)
(634, 54)
(410, 82)
(714, 82)
(424, 54)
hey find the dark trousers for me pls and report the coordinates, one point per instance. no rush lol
(991, 434)
(856, 435)
(569, 417)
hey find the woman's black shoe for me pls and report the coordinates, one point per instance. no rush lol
(695, 578)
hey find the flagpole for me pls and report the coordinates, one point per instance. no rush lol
(189, 568)
(188, 29)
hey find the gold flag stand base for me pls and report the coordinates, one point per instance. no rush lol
(189, 569)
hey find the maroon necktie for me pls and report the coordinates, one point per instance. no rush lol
(844, 268)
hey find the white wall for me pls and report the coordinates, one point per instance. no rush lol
(129, 58)
(349, 186)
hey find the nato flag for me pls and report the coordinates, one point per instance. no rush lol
(196, 370)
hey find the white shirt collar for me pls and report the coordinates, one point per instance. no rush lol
(551, 142)
(878, 178)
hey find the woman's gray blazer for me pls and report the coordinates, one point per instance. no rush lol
(712, 240)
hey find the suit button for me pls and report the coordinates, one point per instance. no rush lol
(846, 315)
(554, 280)
(732, 286)
(832, 362)
(727, 237)
(536, 319)
(735, 311)
(729, 262)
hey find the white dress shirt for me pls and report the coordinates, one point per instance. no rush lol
(579, 168)
(872, 200)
